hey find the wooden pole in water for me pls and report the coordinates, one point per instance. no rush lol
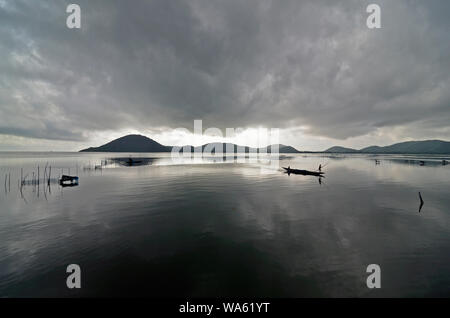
(21, 176)
(49, 174)
(38, 183)
(421, 202)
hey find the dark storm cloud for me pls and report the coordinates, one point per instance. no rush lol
(149, 64)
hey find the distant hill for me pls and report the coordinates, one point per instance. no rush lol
(371, 149)
(130, 143)
(426, 146)
(138, 143)
(408, 147)
(281, 149)
(338, 149)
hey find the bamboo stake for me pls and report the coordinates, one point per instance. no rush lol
(421, 202)
(45, 172)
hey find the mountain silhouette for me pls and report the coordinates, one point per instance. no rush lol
(139, 143)
(130, 143)
(338, 149)
(408, 147)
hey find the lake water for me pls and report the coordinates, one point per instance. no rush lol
(206, 228)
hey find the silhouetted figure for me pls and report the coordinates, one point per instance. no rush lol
(320, 167)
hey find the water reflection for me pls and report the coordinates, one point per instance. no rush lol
(238, 229)
(132, 162)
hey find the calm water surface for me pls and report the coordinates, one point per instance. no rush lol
(205, 228)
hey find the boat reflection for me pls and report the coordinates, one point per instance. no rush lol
(132, 162)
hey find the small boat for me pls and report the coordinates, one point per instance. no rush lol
(131, 162)
(304, 172)
(68, 180)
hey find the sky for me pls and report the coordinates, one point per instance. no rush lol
(312, 69)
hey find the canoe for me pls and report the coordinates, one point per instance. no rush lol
(131, 162)
(304, 172)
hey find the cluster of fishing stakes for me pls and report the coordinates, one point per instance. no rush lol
(37, 179)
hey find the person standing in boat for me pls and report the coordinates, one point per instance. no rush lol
(320, 167)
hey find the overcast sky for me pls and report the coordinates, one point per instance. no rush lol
(311, 68)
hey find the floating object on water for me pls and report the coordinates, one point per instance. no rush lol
(304, 172)
(66, 181)
(422, 163)
(444, 162)
(132, 162)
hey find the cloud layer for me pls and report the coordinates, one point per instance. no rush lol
(311, 66)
